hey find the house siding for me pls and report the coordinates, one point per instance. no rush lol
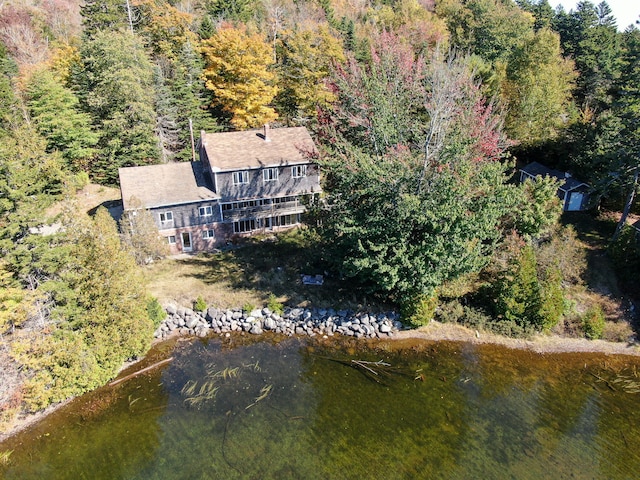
(187, 215)
(285, 185)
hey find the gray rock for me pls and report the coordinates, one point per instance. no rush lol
(255, 329)
(385, 328)
(269, 324)
(257, 313)
(171, 309)
(191, 322)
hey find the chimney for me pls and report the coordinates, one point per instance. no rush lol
(266, 133)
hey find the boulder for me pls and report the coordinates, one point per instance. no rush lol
(191, 322)
(255, 329)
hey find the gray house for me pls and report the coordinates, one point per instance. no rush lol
(245, 183)
(573, 193)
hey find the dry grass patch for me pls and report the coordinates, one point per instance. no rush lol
(251, 273)
(182, 280)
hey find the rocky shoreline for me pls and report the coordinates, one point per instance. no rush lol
(293, 321)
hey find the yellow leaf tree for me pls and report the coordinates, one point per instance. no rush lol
(237, 72)
(306, 57)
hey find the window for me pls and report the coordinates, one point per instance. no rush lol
(283, 200)
(207, 234)
(171, 239)
(299, 171)
(227, 206)
(270, 174)
(166, 217)
(240, 178)
(205, 211)
(244, 226)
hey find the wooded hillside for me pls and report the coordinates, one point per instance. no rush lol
(420, 109)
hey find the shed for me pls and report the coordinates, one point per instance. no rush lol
(573, 193)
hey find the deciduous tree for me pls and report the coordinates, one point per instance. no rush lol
(237, 71)
(305, 59)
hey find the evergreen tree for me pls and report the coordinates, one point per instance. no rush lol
(406, 216)
(589, 35)
(116, 87)
(103, 15)
(101, 316)
(56, 114)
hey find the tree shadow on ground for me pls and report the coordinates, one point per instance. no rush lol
(275, 265)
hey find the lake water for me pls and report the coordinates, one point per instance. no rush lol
(306, 409)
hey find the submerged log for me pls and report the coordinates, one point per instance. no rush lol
(135, 374)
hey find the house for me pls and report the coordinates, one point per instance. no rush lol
(244, 183)
(573, 193)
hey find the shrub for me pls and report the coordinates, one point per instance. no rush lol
(593, 323)
(248, 307)
(421, 311)
(450, 312)
(155, 311)
(200, 305)
(274, 305)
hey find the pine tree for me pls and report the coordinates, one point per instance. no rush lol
(103, 16)
(116, 87)
(57, 116)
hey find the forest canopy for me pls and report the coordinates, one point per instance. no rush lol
(421, 110)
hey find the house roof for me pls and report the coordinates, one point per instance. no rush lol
(535, 169)
(167, 184)
(242, 150)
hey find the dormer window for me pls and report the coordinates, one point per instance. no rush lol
(299, 171)
(241, 177)
(270, 174)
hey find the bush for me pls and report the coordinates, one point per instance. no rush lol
(593, 323)
(274, 305)
(421, 311)
(155, 311)
(200, 305)
(248, 307)
(450, 312)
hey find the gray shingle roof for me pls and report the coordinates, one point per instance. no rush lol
(168, 184)
(537, 169)
(240, 150)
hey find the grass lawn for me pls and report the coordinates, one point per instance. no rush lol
(249, 274)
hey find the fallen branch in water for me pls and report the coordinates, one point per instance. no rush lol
(364, 364)
(135, 374)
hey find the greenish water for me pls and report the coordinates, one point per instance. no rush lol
(299, 408)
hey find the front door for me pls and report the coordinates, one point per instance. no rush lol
(186, 242)
(575, 202)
